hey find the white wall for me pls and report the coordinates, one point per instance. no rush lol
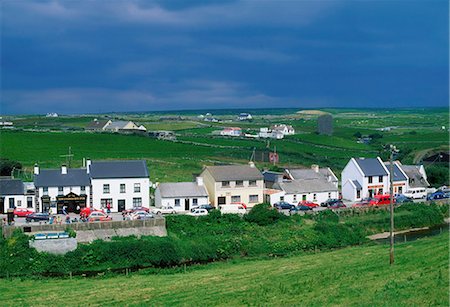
(349, 191)
(20, 201)
(166, 201)
(349, 173)
(115, 195)
(318, 197)
(53, 193)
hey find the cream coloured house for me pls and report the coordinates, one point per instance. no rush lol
(228, 184)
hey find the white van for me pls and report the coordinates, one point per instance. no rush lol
(233, 208)
(416, 193)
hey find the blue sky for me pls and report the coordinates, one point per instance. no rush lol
(101, 56)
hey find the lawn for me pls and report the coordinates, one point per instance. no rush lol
(358, 276)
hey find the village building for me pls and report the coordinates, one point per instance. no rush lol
(98, 125)
(15, 194)
(417, 176)
(120, 185)
(231, 131)
(121, 126)
(364, 177)
(245, 116)
(228, 184)
(182, 196)
(284, 129)
(56, 188)
(400, 179)
(268, 133)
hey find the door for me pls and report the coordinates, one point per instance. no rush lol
(121, 205)
(11, 203)
(2, 205)
(186, 204)
(370, 193)
(221, 200)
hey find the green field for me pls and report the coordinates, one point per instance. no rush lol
(358, 276)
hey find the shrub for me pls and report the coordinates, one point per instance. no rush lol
(263, 214)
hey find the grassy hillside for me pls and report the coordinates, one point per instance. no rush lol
(352, 276)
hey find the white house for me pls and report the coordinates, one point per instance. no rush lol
(267, 133)
(58, 187)
(364, 177)
(284, 129)
(400, 179)
(231, 131)
(182, 196)
(245, 116)
(15, 194)
(117, 126)
(121, 184)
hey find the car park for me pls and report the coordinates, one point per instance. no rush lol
(22, 212)
(437, 195)
(141, 215)
(282, 205)
(164, 210)
(36, 217)
(97, 216)
(198, 212)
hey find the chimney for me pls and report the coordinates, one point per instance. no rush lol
(88, 165)
(315, 168)
(64, 169)
(199, 181)
(251, 164)
(36, 169)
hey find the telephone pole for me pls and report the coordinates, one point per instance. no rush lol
(392, 151)
(68, 157)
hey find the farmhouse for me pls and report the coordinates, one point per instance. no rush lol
(120, 184)
(182, 196)
(98, 125)
(118, 126)
(231, 131)
(15, 194)
(364, 177)
(228, 184)
(245, 116)
(284, 129)
(267, 133)
(417, 177)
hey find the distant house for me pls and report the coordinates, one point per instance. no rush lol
(364, 177)
(52, 114)
(14, 194)
(162, 135)
(182, 196)
(245, 116)
(228, 184)
(98, 125)
(417, 177)
(231, 131)
(120, 126)
(272, 134)
(284, 129)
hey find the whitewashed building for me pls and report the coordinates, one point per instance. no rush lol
(121, 184)
(400, 179)
(364, 177)
(16, 194)
(231, 131)
(284, 129)
(268, 133)
(182, 196)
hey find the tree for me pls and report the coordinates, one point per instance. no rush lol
(7, 166)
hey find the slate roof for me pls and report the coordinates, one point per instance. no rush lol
(305, 186)
(118, 169)
(271, 176)
(11, 187)
(398, 175)
(54, 178)
(357, 185)
(97, 124)
(182, 189)
(234, 172)
(416, 180)
(117, 125)
(371, 166)
(308, 173)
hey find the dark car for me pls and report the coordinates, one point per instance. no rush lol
(332, 202)
(207, 207)
(282, 205)
(301, 208)
(34, 217)
(399, 199)
(437, 195)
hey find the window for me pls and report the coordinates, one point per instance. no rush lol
(106, 188)
(358, 194)
(253, 199)
(252, 183)
(304, 197)
(370, 179)
(295, 197)
(105, 202)
(380, 191)
(221, 200)
(194, 201)
(177, 202)
(122, 188)
(137, 188)
(83, 190)
(239, 183)
(11, 203)
(60, 190)
(137, 202)
(225, 183)
(281, 198)
(19, 203)
(400, 190)
(236, 199)
(29, 202)
(45, 190)
(380, 178)
(329, 194)
(315, 197)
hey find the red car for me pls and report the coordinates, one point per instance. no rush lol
(22, 212)
(361, 204)
(98, 216)
(308, 203)
(379, 200)
(85, 212)
(241, 204)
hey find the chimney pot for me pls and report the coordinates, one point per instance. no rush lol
(36, 169)
(199, 181)
(88, 165)
(64, 169)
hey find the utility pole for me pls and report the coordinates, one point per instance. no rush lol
(392, 150)
(68, 157)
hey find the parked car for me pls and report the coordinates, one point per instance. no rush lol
(379, 200)
(97, 216)
(141, 215)
(301, 208)
(198, 212)
(207, 207)
(332, 202)
(232, 208)
(282, 205)
(239, 204)
(437, 195)
(416, 193)
(35, 217)
(85, 212)
(361, 204)
(308, 203)
(164, 210)
(22, 212)
(400, 198)
(337, 205)
(136, 209)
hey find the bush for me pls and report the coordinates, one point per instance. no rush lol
(263, 214)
